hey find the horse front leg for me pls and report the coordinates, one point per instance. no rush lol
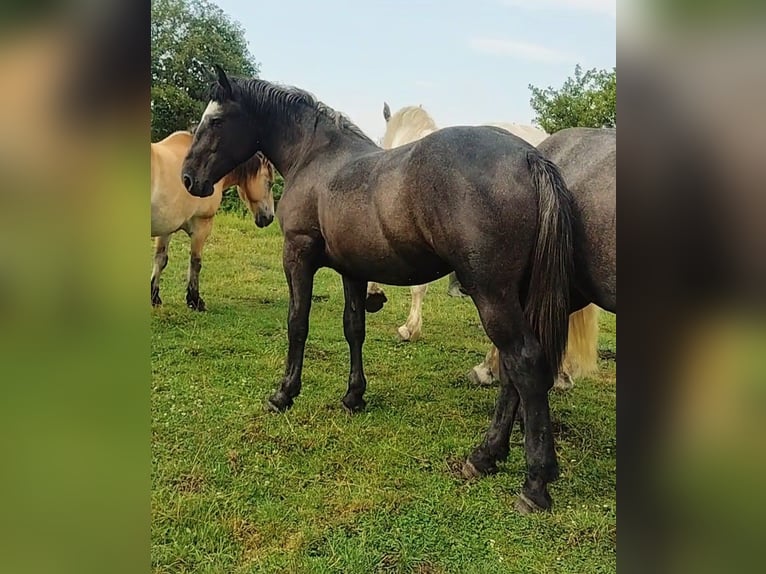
(160, 262)
(412, 329)
(200, 232)
(354, 330)
(300, 268)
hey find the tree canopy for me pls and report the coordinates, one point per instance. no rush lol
(188, 37)
(587, 99)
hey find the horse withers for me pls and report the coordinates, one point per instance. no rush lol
(389, 216)
(173, 209)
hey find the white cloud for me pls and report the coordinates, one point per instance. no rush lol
(608, 7)
(520, 50)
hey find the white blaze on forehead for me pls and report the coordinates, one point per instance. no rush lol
(212, 109)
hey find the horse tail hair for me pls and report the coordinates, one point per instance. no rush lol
(581, 358)
(547, 301)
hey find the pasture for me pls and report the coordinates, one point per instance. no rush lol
(236, 489)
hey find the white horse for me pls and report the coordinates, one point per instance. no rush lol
(174, 209)
(412, 123)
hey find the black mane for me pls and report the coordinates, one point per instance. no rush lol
(285, 99)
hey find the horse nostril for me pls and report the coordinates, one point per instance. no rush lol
(188, 181)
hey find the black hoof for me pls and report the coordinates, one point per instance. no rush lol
(527, 505)
(479, 464)
(155, 295)
(375, 301)
(353, 405)
(195, 302)
(279, 402)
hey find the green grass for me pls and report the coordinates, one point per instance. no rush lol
(237, 489)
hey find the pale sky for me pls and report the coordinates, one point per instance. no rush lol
(466, 62)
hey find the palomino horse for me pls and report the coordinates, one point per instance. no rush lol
(174, 209)
(475, 200)
(587, 158)
(411, 123)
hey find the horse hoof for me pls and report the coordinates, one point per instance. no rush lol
(471, 471)
(279, 402)
(525, 505)
(374, 302)
(563, 382)
(408, 336)
(352, 406)
(481, 376)
(196, 304)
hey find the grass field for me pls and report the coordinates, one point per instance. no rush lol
(237, 489)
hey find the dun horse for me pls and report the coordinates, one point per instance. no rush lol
(475, 200)
(173, 209)
(411, 123)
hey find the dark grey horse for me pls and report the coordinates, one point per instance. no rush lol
(587, 159)
(476, 200)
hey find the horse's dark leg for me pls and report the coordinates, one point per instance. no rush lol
(160, 262)
(375, 298)
(353, 328)
(483, 460)
(200, 231)
(522, 365)
(455, 289)
(298, 259)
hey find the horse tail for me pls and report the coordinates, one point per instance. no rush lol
(547, 301)
(581, 357)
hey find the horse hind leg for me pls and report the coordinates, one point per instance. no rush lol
(412, 329)
(376, 298)
(160, 262)
(200, 232)
(525, 379)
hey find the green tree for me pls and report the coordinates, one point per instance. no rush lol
(188, 37)
(588, 99)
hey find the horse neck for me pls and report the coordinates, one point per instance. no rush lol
(290, 139)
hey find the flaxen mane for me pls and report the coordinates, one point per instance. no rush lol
(286, 99)
(408, 124)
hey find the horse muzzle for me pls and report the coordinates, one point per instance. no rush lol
(197, 188)
(263, 220)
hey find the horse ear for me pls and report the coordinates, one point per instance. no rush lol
(386, 111)
(223, 80)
